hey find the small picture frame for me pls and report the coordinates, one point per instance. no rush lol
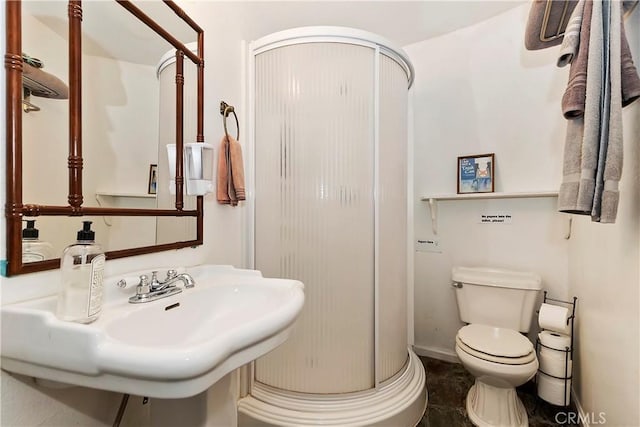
(475, 173)
(153, 179)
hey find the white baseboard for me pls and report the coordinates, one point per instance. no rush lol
(437, 353)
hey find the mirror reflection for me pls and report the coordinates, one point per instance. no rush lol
(46, 237)
(45, 133)
(128, 117)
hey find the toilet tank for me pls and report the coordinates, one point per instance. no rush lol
(494, 297)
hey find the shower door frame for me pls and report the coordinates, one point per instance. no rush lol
(380, 46)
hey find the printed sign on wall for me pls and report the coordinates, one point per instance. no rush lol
(495, 218)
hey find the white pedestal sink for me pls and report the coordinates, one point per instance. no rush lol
(170, 348)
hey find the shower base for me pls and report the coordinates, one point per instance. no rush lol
(400, 402)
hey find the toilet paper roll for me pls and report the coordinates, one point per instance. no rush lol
(554, 318)
(554, 363)
(553, 390)
(554, 340)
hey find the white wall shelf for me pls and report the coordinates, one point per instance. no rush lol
(474, 196)
(435, 198)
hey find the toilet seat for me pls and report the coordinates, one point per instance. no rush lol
(497, 345)
(496, 359)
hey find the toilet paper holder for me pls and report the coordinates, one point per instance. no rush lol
(568, 351)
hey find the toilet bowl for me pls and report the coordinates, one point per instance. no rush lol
(500, 359)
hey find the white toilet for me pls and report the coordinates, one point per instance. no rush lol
(496, 305)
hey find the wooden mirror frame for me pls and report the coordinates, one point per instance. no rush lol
(15, 210)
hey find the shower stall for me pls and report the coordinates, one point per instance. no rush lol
(330, 208)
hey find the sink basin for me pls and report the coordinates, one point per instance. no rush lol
(170, 348)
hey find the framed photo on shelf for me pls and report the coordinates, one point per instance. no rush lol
(475, 173)
(153, 179)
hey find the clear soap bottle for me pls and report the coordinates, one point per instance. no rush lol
(34, 249)
(82, 267)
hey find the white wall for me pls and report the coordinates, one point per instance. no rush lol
(477, 90)
(604, 272)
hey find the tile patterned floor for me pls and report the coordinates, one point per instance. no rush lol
(448, 384)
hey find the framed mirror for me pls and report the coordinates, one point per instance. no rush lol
(134, 79)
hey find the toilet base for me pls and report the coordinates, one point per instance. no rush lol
(490, 406)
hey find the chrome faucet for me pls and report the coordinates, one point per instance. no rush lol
(172, 277)
(150, 291)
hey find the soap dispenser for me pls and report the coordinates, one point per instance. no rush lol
(82, 267)
(34, 249)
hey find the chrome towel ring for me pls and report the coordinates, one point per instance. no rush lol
(225, 110)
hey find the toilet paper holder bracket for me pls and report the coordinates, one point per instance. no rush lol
(573, 305)
(570, 319)
(568, 351)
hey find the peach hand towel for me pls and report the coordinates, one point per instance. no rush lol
(222, 191)
(231, 191)
(237, 168)
(230, 180)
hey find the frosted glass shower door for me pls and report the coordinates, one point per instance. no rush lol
(392, 219)
(314, 209)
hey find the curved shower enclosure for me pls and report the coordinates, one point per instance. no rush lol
(330, 174)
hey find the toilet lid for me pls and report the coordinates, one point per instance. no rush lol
(494, 341)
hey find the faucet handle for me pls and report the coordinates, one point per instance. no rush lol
(143, 286)
(171, 274)
(125, 283)
(154, 278)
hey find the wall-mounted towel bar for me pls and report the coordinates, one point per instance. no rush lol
(225, 110)
(564, 9)
(546, 33)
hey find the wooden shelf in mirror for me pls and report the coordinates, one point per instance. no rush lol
(124, 194)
